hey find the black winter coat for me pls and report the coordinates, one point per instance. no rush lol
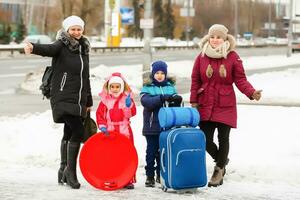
(71, 91)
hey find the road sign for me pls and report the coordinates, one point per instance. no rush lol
(146, 23)
(248, 35)
(127, 15)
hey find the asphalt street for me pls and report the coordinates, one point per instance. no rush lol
(14, 101)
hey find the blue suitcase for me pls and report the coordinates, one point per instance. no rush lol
(182, 152)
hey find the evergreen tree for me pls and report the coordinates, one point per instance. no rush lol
(21, 31)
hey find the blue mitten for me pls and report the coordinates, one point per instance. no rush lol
(128, 101)
(104, 130)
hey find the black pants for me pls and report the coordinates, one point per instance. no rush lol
(220, 154)
(73, 128)
(152, 155)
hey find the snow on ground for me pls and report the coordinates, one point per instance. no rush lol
(264, 158)
(264, 152)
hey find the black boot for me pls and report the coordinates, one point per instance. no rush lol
(150, 182)
(157, 180)
(70, 170)
(63, 161)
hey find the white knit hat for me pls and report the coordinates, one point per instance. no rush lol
(116, 79)
(219, 30)
(72, 21)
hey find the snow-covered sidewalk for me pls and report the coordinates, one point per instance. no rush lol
(264, 158)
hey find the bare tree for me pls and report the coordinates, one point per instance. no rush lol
(251, 15)
(134, 29)
(67, 7)
(88, 10)
(158, 18)
(168, 20)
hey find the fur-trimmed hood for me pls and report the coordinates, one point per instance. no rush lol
(147, 79)
(72, 43)
(230, 39)
(104, 93)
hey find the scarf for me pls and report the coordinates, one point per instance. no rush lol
(219, 52)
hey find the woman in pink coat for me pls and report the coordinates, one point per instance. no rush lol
(215, 70)
(115, 109)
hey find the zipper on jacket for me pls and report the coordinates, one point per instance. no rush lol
(151, 119)
(81, 70)
(162, 91)
(63, 81)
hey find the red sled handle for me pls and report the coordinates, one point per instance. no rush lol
(110, 185)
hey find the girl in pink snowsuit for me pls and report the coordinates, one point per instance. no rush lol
(115, 109)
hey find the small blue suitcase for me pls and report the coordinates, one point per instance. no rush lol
(182, 154)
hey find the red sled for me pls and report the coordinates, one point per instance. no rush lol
(108, 162)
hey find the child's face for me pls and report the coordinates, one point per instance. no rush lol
(160, 76)
(115, 88)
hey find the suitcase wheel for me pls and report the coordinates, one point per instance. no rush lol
(165, 189)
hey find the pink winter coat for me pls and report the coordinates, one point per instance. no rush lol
(113, 113)
(215, 95)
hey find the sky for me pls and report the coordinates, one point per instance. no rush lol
(264, 151)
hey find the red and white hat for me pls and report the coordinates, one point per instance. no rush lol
(116, 78)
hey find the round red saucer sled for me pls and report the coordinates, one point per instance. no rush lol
(108, 162)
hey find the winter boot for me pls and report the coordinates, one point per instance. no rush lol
(227, 161)
(63, 161)
(150, 182)
(217, 177)
(129, 186)
(70, 170)
(157, 180)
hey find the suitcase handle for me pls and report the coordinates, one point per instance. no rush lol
(162, 160)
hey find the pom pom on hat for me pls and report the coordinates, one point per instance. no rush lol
(72, 21)
(219, 30)
(159, 66)
(116, 79)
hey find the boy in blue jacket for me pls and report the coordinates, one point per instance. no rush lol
(158, 90)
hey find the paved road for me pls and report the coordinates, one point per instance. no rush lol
(13, 71)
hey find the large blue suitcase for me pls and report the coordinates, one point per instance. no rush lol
(182, 154)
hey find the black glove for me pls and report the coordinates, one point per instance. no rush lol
(165, 97)
(175, 100)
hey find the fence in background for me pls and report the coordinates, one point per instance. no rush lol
(16, 50)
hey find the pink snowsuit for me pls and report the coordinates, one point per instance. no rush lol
(113, 114)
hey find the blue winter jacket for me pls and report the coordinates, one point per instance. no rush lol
(152, 102)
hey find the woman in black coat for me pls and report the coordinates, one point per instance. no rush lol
(70, 90)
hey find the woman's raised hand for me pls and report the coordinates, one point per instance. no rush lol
(28, 48)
